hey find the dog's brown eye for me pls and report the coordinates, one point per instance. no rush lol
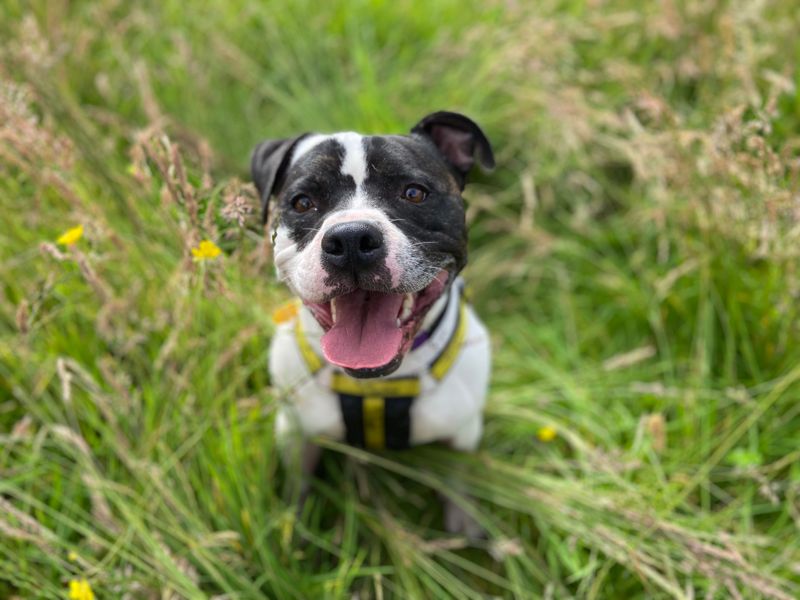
(302, 203)
(415, 193)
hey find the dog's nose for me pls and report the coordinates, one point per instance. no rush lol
(353, 246)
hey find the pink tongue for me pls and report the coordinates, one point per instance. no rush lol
(365, 334)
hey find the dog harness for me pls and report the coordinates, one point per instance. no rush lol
(377, 412)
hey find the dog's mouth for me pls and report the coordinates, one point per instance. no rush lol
(367, 332)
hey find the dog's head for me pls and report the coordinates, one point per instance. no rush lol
(369, 230)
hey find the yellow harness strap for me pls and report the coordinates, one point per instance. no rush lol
(363, 402)
(342, 384)
(442, 365)
(313, 362)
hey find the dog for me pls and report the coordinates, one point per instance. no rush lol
(369, 234)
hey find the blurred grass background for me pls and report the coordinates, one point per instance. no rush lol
(635, 256)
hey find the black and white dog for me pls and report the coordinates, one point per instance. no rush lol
(370, 235)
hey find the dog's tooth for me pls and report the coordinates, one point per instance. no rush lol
(408, 307)
(398, 323)
(333, 310)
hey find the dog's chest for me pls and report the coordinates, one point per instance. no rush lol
(437, 394)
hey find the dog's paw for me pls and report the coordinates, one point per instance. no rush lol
(457, 521)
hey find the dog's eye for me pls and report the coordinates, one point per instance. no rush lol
(415, 193)
(302, 203)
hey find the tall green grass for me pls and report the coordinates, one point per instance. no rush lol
(634, 255)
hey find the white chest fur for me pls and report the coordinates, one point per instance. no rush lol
(447, 410)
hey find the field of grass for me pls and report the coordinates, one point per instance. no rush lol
(635, 255)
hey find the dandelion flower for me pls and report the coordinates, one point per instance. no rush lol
(79, 589)
(547, 433)
(70, 236)
(206, 250)
(72, 556)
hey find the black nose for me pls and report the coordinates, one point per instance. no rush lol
(353, 246)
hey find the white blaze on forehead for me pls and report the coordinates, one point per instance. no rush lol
(355, 158)
(354, 162)
(354, 165)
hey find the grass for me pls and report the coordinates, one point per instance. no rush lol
(634, 255)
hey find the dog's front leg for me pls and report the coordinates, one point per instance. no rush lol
(309, 461)
(456, 519)
(300, 457)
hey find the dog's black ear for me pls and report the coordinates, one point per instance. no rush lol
(458, 138)
(268, 166)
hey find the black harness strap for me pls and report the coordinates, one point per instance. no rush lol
(394, 428)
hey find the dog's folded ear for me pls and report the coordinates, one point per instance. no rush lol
(458, 138)
(268, 166)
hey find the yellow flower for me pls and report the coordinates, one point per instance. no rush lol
(72, 556)
(207, 250)
(79, 589)
(547, 433)
(70, 236)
